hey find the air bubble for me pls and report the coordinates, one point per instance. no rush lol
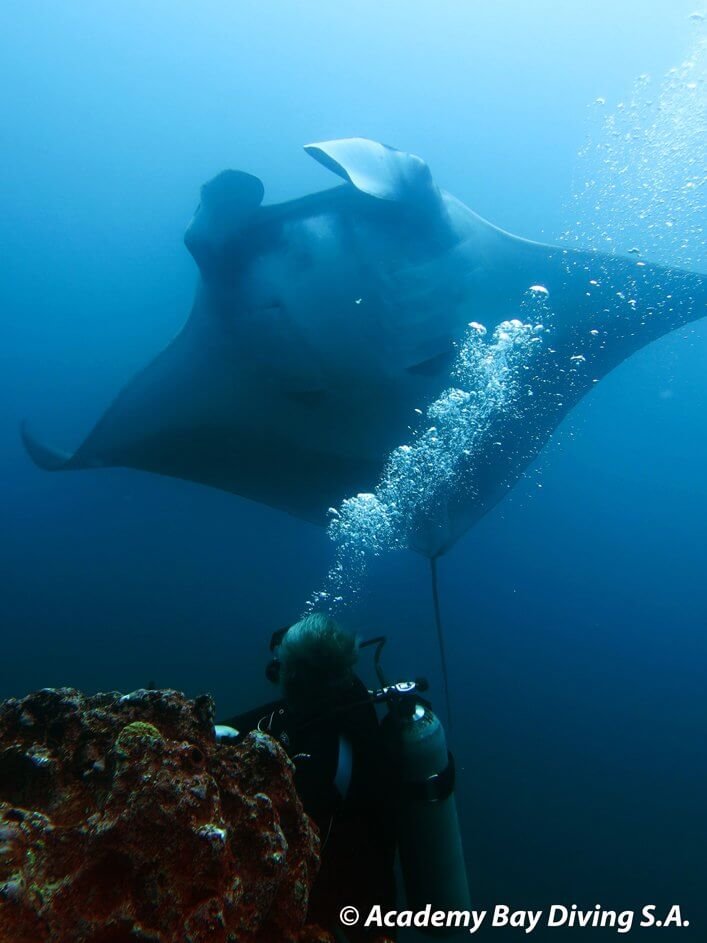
(641, 160)
(442, 460)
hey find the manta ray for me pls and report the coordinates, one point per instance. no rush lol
(320, 325)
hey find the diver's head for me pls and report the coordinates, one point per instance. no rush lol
(316, 662)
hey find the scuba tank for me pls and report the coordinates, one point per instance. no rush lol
(429, 839)
(427, 825)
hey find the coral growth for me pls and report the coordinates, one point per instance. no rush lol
(121, 820)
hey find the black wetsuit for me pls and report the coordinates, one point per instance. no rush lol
(343, 779)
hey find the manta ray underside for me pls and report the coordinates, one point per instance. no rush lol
(321, 325)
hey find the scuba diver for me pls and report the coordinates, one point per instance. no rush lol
(328, 725)
(371, 787)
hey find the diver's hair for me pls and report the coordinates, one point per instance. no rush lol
(315, 654)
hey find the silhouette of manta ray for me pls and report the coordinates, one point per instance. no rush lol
(321, 324)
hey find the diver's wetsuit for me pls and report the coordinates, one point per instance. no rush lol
(343, 781)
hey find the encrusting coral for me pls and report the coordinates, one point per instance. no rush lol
(122, 820)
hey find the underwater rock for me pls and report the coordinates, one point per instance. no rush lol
(122, 820)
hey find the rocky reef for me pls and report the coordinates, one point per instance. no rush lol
(122, 820)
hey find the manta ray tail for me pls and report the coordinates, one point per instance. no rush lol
(440, 639)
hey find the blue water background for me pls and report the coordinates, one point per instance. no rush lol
(576, 612)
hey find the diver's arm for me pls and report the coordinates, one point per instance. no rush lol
(257, 718)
